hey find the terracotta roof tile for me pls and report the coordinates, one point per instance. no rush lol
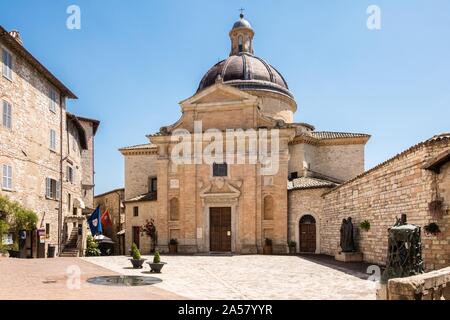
(309, 183)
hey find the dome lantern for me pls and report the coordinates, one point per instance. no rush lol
(241, 36)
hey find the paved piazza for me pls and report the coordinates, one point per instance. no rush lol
(50, 279)
(250, 277)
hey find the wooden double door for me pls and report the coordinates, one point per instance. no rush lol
(220, 229)
(308, 237)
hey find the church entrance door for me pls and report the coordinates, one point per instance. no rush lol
(220, 229)
(308, 234)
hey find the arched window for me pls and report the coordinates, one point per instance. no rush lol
(174, 209)
(240, 44)
(268, 208)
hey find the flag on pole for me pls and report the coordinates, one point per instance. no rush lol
(106, 219)
(94, 222)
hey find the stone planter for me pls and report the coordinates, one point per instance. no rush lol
(156, 267)
(137, 263)
(173, 248)
(267, 249)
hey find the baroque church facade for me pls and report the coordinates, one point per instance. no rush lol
(229, 206)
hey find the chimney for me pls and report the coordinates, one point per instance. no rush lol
(16, 35)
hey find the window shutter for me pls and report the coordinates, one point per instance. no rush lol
(58, 190)
(47, 188)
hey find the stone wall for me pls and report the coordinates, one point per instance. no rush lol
(147, 211)
(113, 202)
(398, 186)
(342, 162)
(339, 162)
(305, 202)
(138, 168)
(26, 146)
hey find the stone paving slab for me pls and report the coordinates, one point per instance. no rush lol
(249, 277)
(47, 279)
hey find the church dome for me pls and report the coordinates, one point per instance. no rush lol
(246, 72)
(242, 69)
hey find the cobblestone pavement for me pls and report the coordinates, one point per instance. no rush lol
(42, 279)
(250, 277)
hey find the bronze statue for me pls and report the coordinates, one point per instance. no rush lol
(347, 242)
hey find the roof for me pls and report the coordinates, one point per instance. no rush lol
(309, 183)
(95, 123)
(437, 162)
(151, 196)
(242, 23)
(246, 72)
(330, 137)
(109, 192)
(80, 129)
(336, 135)
(434, 139)
(140, 147)
(20, 50)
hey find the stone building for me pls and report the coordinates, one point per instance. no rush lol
(230, 205)
(46, 153)
(112, 201)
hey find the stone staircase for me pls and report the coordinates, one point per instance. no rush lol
(71, 247)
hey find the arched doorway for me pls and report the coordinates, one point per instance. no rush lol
(307, 231)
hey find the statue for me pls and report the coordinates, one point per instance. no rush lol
(404, 251)
(347, 242)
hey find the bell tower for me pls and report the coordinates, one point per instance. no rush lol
(241, 37)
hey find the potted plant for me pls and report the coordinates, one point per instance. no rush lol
(156, 265)
(267, 246)
(292, 247)
(173, 246)
(365, 225)
(432, 229)
(136, 261)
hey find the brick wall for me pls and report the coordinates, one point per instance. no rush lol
(396, 187)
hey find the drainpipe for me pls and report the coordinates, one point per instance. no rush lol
(60, 207)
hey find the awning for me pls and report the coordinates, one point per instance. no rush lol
(103, 239)
(121, 232)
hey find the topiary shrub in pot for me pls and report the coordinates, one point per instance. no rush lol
(156, 265)
(173, 246)
(267, 249)
(136, 259)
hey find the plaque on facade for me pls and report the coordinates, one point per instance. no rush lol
(174, 183)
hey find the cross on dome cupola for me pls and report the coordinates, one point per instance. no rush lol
(241, 37)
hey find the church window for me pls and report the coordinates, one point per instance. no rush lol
(268, 208)
(220, 170)
(152, 184)
(240, 43)
(174, 209)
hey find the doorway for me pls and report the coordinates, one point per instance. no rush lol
(307, 234)
(220, 229)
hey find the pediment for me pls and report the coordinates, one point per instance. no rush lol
(219, 94)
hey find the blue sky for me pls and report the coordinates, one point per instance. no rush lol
(133, 61)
